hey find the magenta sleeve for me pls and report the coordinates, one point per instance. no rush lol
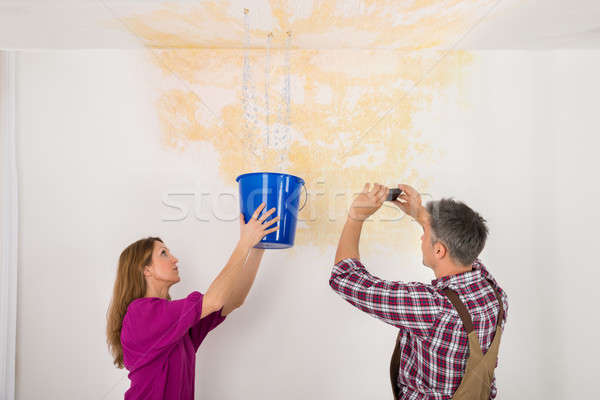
(199, 330)
(160, 323)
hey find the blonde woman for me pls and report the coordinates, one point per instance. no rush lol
(156, 338)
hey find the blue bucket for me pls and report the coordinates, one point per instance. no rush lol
(281, 191)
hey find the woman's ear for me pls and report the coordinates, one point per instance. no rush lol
(147, 270)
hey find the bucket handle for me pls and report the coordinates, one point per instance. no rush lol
(305, 197)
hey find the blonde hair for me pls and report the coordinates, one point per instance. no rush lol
(130, 284)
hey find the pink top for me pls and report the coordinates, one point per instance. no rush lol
(160, 339)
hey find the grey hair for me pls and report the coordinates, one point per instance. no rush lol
(462, 230)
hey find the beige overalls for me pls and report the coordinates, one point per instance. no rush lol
(479, 372)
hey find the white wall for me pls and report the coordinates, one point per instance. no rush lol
(93, 173)
(8, 227)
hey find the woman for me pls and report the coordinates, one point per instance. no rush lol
(156, 338)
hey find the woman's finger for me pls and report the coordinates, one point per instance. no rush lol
(366, 188)
(270, 222)
(258, 210)
(265, 215)
(271, 230)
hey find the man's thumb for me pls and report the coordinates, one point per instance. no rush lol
(400, 204)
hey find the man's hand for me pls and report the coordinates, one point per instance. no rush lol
(368, 201)
(409, 201)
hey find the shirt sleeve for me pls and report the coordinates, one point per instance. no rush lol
(199, 330)
(159, 322)
(412, 306)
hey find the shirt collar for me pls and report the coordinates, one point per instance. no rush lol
(463, 279)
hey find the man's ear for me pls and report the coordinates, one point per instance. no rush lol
(439, 250)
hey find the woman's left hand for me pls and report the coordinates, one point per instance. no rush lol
(252, 232)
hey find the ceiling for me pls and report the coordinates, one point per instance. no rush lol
(314, 24)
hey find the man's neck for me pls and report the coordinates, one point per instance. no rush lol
(450, 269)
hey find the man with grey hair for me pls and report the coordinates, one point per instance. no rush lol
(449, 330)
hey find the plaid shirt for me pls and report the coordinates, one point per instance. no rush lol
(434, 344)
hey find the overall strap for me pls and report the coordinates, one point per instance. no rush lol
(460, 308)
(395, 368)
(464, 313)
(467, 322)
(478, 375)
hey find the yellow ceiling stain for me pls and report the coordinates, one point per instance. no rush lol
(361, 132)
(401, 25)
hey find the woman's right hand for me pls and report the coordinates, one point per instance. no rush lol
(252, 232)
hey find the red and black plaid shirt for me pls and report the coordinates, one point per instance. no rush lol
(434, 344)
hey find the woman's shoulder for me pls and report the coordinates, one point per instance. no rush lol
(141, 305)
(144, 302)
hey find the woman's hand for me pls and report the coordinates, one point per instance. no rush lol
(368, 202)
(252, 232)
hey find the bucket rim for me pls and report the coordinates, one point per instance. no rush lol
(270, 173)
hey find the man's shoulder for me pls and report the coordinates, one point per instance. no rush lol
(485, 273)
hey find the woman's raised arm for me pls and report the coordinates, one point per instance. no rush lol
(231, 286)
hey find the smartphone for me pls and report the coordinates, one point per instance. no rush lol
(393, 194)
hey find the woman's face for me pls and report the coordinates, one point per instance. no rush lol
(164, 264)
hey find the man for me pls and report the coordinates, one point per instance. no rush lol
(433, 346)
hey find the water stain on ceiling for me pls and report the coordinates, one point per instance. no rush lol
(270, 95)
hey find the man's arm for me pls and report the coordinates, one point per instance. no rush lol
(409, 305)
(367, 202)
(348, 245)
(412, 306)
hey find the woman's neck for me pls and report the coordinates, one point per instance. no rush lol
(153, 290)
